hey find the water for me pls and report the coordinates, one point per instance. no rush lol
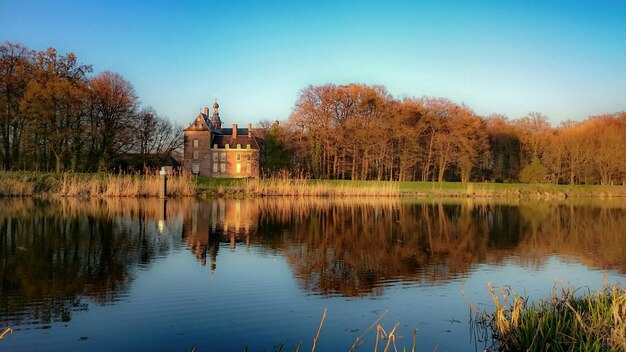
(221, 275)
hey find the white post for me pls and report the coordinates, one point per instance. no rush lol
(163, 188)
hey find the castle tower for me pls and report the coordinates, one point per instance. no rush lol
(215, 119)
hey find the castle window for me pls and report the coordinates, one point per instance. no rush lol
(238, 167)
(223, 156)
(238, 156)
(247, 146)
(215, 167)
(195, 143)
(238, 146)
(195, 155)
(223, 167)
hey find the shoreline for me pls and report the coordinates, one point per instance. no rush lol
(99, 185)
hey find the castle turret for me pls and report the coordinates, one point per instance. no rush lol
(215, 119)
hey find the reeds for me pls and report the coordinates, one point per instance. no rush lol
(15, 185)
(93, 185)
(125, 186)
(568, 321)
(385, 340)
(7, 330)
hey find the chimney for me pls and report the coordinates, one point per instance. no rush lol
(205, 111)
(234, 130)
(250, 130)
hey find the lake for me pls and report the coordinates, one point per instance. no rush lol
(223, 275)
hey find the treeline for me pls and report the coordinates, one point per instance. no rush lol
(361, 132)
(56, 116)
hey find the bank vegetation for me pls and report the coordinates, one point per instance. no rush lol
(567, 321)
(85, 185)
(147, 184)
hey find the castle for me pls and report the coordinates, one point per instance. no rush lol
(210, 150)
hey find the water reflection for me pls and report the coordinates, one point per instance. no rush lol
(207, 224)
(54, 254)
(58, 257)
(355, 247)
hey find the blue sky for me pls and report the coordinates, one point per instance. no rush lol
(566, 59)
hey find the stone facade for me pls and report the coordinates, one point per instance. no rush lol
(210, 150)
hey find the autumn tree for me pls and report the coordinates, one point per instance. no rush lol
(54, 106)
(15, 68)
(455, 137)
(574, 139)
(607, 139)
(276, 155)
(54, 116)
(503, 164)
(341, 130)
(534, 132)
(405, 141)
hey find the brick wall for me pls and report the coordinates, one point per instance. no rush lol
(229, 169)
(197, 147)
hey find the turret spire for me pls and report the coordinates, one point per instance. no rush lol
(215, 119)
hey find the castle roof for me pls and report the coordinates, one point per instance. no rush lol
(202, 123)
(226, 137)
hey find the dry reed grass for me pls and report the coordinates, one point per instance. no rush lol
(6, 331)
(93, 185)
(15, 186)
(124, 186)
(566, 322)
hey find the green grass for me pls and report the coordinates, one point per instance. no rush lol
(433, 189)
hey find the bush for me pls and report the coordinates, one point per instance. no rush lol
(535, 172)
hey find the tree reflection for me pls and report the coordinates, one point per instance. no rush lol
(55, 253)
(353, 247)
(59, 256)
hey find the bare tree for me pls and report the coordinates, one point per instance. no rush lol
(114, 106)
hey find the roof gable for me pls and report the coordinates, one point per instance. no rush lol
(201, 123)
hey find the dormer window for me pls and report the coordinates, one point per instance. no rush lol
(227, 146)
(247, 146)
(238, 146)
(214, 146)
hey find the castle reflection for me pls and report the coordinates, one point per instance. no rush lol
(207, 224)
(353, 247)
(55, 253)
